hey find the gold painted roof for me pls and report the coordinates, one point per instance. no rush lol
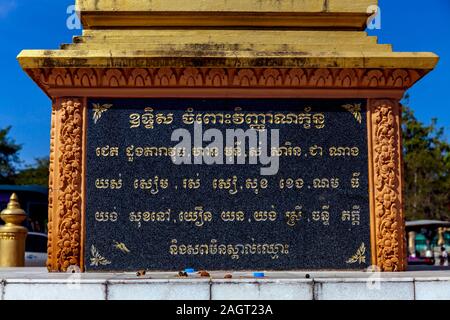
(225, 33)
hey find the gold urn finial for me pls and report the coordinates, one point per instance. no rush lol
(12, 234)
(13, 214)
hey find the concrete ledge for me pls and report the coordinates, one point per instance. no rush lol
(198, 289)
(37, 284)
(32, 59)
(364, 289)
(270, 289)
(432, 288)
(54, 291)
(223, 6)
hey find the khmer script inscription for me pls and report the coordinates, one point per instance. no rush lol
(146, 211)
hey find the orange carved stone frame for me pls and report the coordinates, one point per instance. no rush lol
(70, 89)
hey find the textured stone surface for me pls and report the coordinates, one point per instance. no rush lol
(335, 36)
(321, 239)
(103, 58)
(227, 5)
(345, 14)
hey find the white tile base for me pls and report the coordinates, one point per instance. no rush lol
(364, 290)
(432, 290)
(159, 290)
(37, 284)
(262, 290)
(54, 291)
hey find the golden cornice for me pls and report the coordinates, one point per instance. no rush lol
(332, 45)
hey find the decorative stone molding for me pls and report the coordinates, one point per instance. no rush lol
(387, 213)
(223, 77)
(51, 187)
(65, 187)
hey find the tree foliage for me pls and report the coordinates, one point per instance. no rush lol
(426, 155)
(10, 173)
(36, 174)
(9, 157)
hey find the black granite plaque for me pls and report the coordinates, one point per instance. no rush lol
(145, 212)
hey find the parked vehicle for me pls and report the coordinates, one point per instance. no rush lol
(36, 249)
(413, 261)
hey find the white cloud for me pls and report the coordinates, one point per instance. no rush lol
(6, 6)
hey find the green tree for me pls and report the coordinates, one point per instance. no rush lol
(9, 157)
(426, 156)
(36, 174)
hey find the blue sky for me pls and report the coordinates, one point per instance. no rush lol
(410, 25)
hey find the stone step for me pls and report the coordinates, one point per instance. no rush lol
(229, 36)
(337, 14)
(223, 48)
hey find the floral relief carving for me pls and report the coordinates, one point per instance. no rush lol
(389, 223)
(69, 192)
(51, 188)
(222, 77)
